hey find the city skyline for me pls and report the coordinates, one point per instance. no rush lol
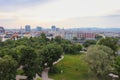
(62, 13)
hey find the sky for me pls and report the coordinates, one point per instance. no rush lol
(62, 13)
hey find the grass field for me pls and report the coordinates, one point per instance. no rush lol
(72, 67)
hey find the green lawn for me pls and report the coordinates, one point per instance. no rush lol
(73, 68)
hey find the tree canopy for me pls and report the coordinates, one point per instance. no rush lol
(99, 60)
(117, 65)
(8, 67)
(109, 42)
(34, 54)
(87, 43)
(51, 53)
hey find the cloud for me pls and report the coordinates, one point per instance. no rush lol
(77, 22)
(85, 12)
(95, 21)
(13, 5)
(10, 20)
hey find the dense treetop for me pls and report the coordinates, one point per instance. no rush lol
(34, 54)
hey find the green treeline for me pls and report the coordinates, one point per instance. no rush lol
(34, 54)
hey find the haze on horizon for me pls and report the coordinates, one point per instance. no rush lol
(62, 13)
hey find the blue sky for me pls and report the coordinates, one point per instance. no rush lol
(62, 13)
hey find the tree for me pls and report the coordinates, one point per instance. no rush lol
(79, 47)
(72, 48)
(117, 65)
(75, 38)
(83, 38)
(9, 43)
(69, 49)
(109, 42)
(43, 36)
(99, 60)
(30, 62)
(8, 67)
(58, 39)
(98, 37)
(87, 43)
(51, 53)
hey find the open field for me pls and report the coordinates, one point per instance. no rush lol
(72, 67)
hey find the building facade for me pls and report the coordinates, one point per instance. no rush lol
(38, 28)
(80, 35)
(2, 30)
(28, 28)
(53, 28)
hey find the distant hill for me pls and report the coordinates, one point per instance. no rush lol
(96, 29)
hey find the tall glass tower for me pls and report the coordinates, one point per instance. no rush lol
(28, 28)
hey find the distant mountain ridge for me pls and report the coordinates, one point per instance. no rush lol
(96, 29)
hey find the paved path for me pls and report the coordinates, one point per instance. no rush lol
(45, 74)
(46, 70)
(19, 77)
